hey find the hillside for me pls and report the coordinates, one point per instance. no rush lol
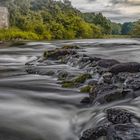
(49, 19)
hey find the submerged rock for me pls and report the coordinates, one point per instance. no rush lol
(86, 100)
(124, 132)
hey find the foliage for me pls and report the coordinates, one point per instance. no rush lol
(50, 19)
(127, 27)
(116, 28)
(136, 29)
(16, 34)
(100, 20)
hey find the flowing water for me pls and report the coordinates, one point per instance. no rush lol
(35, 107)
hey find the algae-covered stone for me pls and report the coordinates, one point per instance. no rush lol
(77, 81)
(82, 78)
(68, 84)
(57, 53)
(85, 89)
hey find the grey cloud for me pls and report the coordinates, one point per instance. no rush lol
(116, 10)
(125, 2)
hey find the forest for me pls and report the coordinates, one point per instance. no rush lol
(51, 20)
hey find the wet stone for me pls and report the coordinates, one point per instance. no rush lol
(124, 132)
(86, 100)
(106, 63)
(131, 67)
(118, 116)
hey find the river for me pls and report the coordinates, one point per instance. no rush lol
(35, 107)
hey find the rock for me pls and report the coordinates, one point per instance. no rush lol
(124, 132)
(82, 78)
(58, 53)
(94, 133)
(70, 47)
(86, 100)
(133, 84)
(98, 90)
(62, 75)
(106, 63)
(125, 67)
(107, 77)
(114, 95)
(85, 89)
(119, 116)
(92, 82)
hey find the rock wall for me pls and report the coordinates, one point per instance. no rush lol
(4, 17)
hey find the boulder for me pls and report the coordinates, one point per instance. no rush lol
(106, 63)
(119, 116)
(125, 67)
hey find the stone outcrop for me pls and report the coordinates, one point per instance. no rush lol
(4, 17)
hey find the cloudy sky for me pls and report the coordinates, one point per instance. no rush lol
(116, 10)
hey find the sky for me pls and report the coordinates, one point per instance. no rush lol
(116, 10)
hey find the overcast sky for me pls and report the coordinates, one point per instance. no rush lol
(116, 10)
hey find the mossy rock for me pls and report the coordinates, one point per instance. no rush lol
(85, 89)
(115, 96)
(70, 47)
(82, 78)
(68, 84)
(77, 81)
(57, 53)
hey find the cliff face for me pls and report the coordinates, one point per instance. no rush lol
(4, 17)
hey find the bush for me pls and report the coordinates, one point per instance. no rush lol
(17, 34)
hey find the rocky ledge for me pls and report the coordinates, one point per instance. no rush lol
(105, 81)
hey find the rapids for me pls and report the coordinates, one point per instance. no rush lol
(35, 107)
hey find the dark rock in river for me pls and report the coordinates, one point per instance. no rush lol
(118, 127)
(114, 95)
(86, 100)
(124, 132)
(118, 116)
(106, 63)
(94, 133)
(125, 67)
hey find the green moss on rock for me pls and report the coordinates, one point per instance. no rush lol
(77, 81)
(85, 89)
(57, 53)
(68, 84)
(82, 78)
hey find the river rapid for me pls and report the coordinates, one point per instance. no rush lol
(35, 107)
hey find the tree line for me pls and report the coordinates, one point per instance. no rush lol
(49, 19)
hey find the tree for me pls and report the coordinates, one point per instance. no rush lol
(127, 28)
(136, 29)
